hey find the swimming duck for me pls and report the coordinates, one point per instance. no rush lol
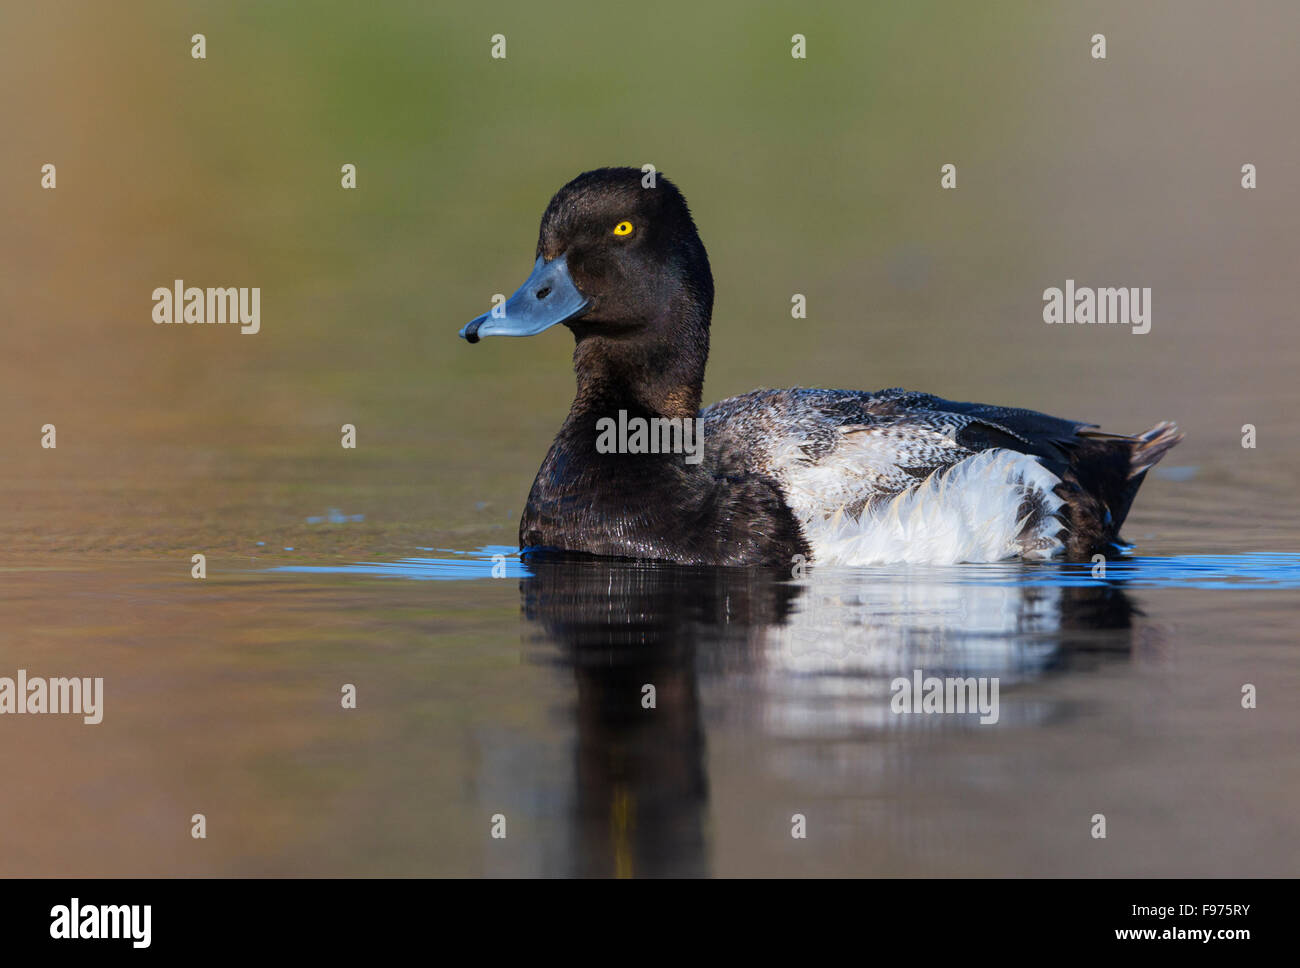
(824, 476)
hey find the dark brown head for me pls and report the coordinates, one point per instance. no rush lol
(620, 263)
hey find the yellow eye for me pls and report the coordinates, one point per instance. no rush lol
(623, 228)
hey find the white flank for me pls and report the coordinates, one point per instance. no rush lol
(969, 512)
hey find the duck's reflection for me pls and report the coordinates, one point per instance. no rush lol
(810, 658)
(634, 636)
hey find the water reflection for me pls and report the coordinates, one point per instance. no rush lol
(807, 657)
(641, 786)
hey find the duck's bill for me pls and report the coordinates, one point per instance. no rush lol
(548, 297)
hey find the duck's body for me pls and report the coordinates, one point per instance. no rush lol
(835, 476)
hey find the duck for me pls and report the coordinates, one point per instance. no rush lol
(801, 475)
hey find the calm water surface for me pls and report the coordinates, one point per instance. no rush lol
(519, 693)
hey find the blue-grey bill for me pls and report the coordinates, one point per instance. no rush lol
(548, 297)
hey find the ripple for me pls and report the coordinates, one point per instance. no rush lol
(1262, 571)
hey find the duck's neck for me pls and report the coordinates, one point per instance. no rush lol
(661, 378)
(646, 386)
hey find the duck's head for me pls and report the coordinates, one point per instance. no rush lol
(620, 263)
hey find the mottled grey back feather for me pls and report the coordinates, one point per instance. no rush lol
(911, 434)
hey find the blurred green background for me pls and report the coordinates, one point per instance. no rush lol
(817, 176)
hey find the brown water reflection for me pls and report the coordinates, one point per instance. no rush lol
(522, 697)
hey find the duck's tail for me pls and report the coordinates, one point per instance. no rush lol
(1105, 473)
(1150, 447)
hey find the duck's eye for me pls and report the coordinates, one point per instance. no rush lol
(623, 228)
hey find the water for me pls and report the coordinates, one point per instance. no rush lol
(1183, 571)
(522, 696)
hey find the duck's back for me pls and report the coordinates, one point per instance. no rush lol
(904, 476)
